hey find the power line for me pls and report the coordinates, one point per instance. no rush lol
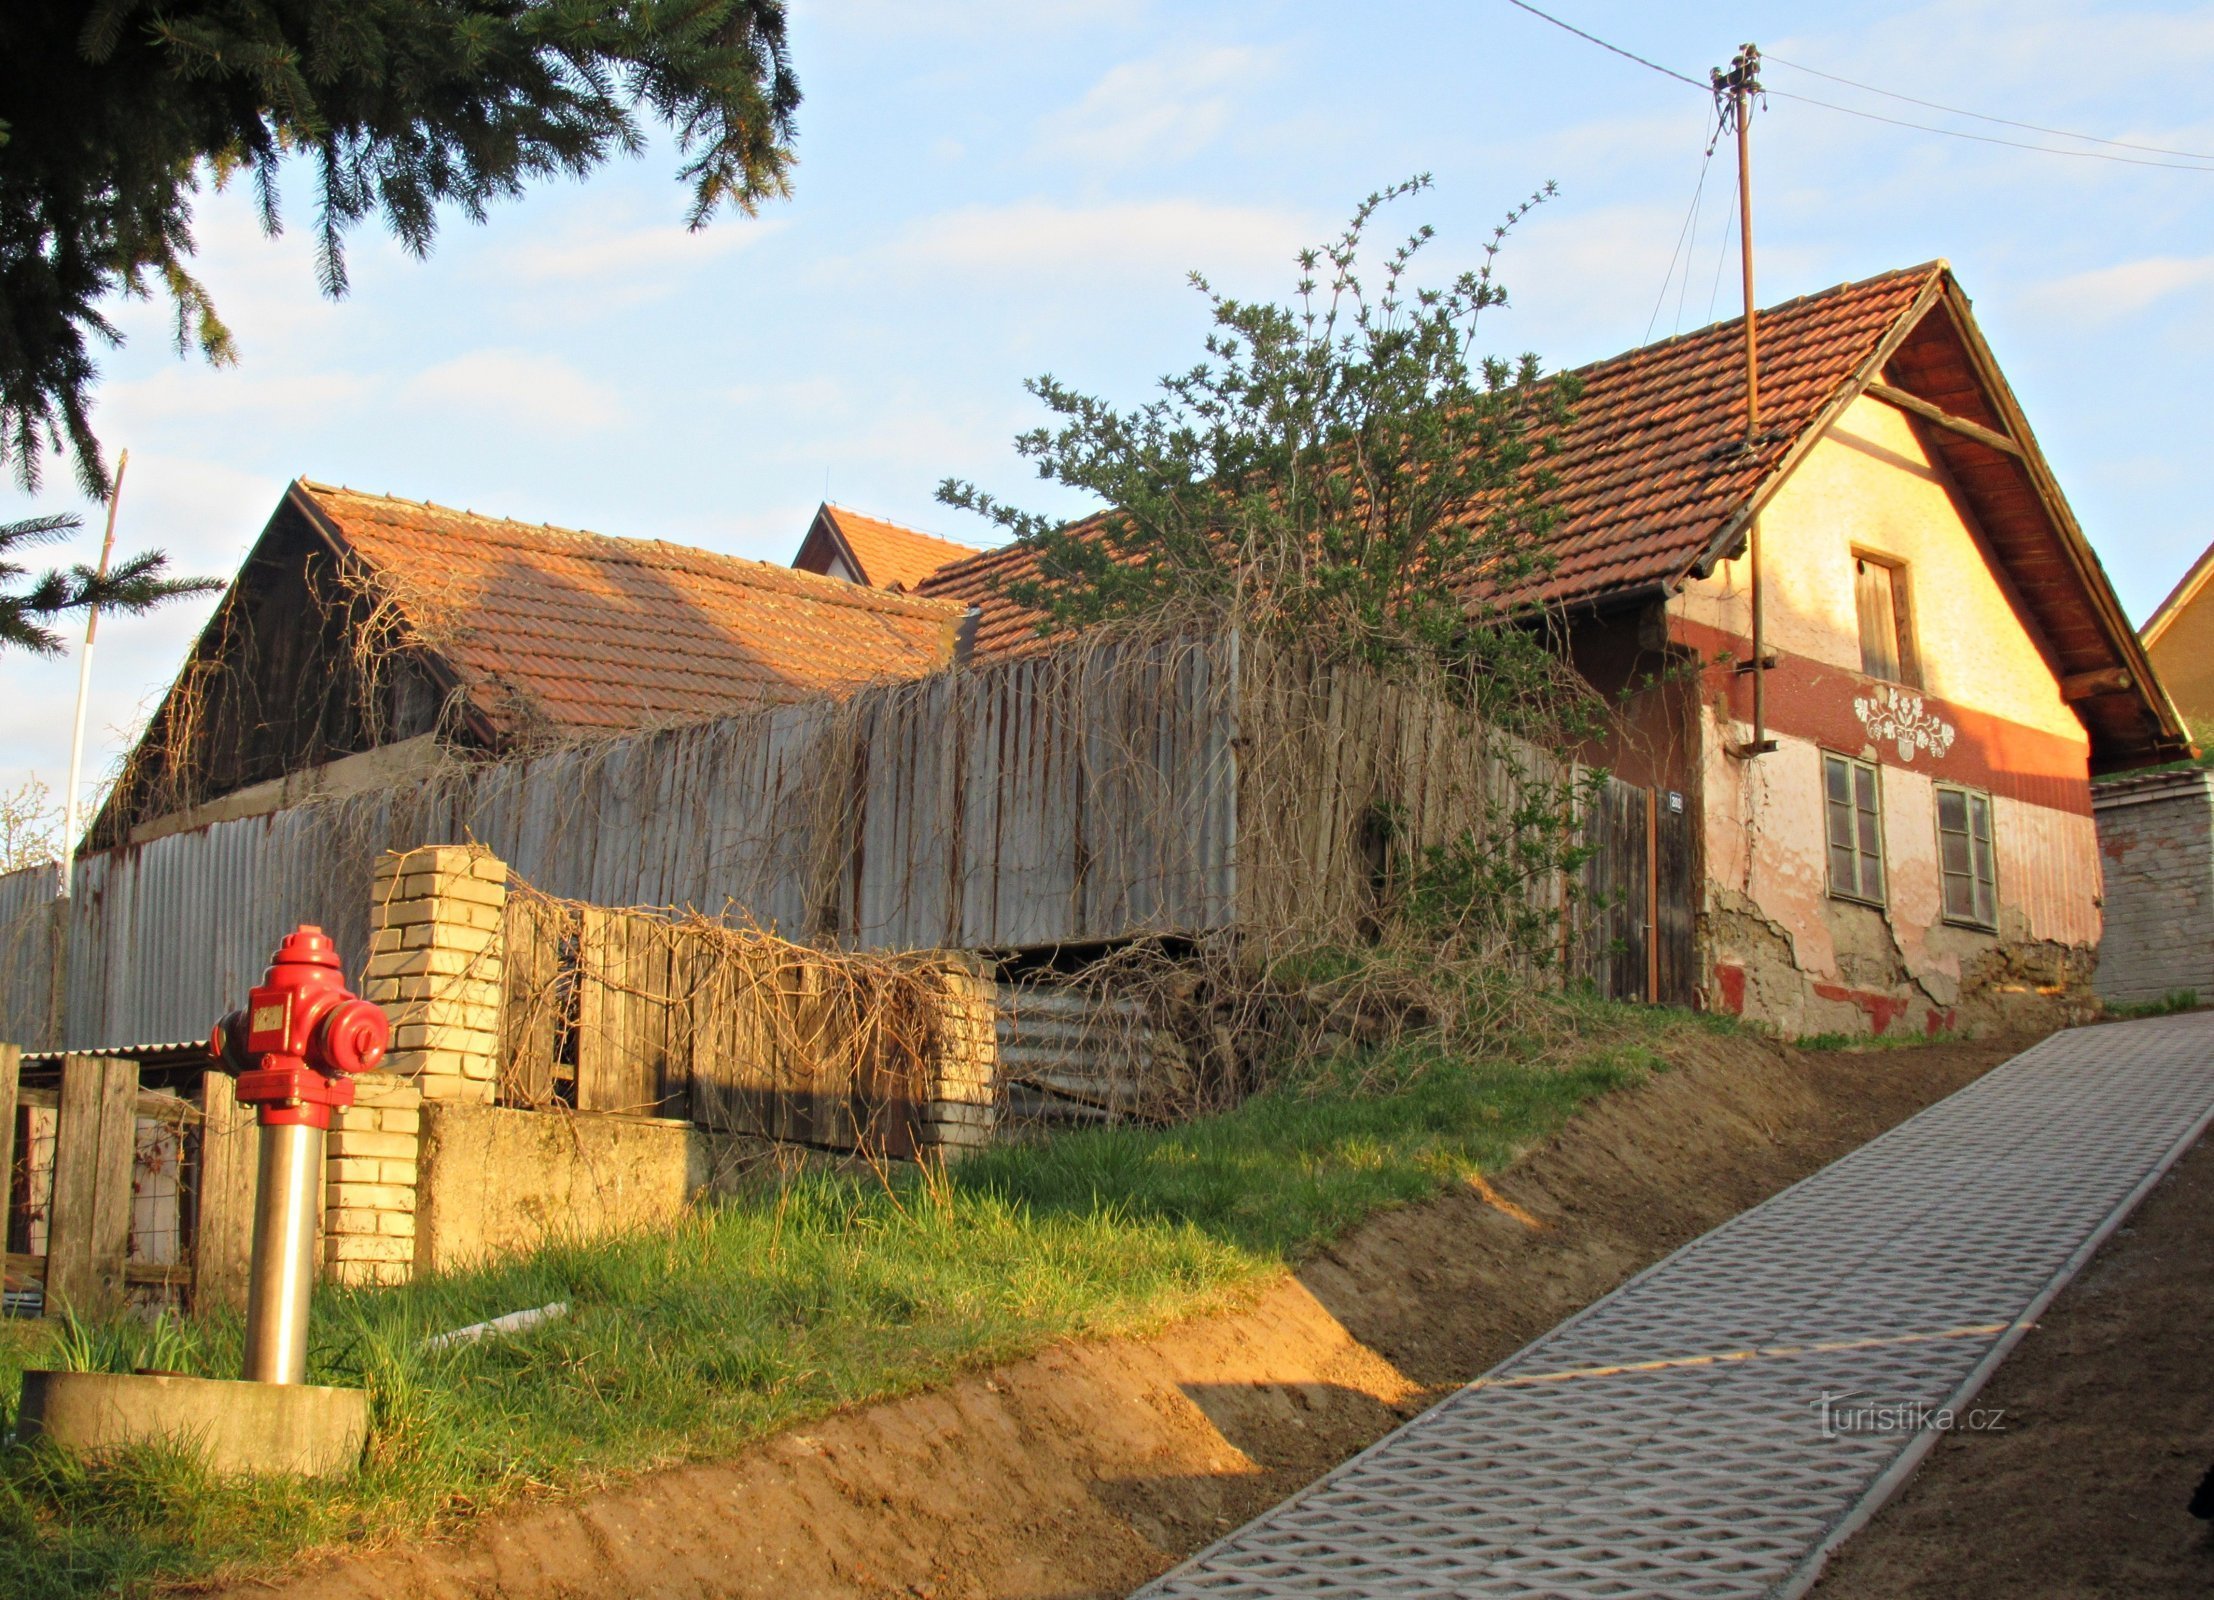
(1722, 256)
(2191, 165)
(2004, 122)
(1682, 233)
(1986, 138)
(1627, 55)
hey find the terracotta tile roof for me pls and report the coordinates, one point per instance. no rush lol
(890, 556)
(1650, 471)
(556, 629)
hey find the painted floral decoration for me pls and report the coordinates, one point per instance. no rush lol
(1891, 713)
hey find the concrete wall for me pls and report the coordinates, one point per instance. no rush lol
(498, 1181)
(2156, 835)
(1776, 944)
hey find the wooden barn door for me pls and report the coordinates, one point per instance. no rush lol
(1639, 894)
(1615, 945)
(1675, 883)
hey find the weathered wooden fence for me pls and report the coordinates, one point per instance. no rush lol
(740, 1031)
(119, 1192)
(1114, 789)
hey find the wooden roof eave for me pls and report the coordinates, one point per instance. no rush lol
(2129, 651)
(442, 671)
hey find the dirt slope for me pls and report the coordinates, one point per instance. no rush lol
(1089, 1468)
(2109, 1408)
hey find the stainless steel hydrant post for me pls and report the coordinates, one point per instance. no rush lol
(284, 1253)
(294, 1048)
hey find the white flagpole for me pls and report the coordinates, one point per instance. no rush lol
(70, 807)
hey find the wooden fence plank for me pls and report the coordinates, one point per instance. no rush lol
(223, 1197)
(90, 1236)
(530, 995)
(598, 1020)
(11, 1060)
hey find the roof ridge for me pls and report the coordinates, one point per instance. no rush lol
(616, 547)
(1707, 330)
(904, 527)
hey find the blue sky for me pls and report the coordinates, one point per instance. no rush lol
(989, 189)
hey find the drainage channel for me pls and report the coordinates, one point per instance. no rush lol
(1717, 1425)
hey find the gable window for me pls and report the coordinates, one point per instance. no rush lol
(1965, 859)
(1886, 611)
(1853, 804)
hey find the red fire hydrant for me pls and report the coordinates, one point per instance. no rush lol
(295, 1049)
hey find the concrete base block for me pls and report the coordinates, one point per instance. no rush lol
(234, 1425)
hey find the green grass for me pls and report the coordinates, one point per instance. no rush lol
(828, 1291)
(2167, 1005)
(1879, 1041)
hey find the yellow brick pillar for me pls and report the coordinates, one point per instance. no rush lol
(369, 1173)
(961, 1106)
(435, 962)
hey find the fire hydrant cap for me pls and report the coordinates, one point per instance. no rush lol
(307, 946)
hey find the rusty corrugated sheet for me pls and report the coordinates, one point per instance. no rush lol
(26, 943)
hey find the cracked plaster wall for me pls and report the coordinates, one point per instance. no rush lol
(1775, 944)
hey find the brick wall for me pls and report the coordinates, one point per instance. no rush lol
(2156, 849)
(434, 965)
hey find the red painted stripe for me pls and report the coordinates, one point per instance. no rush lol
(1811, 699)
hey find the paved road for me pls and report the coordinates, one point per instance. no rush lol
(1717, 1425)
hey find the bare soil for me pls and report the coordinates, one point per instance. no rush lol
(1091, 1467)
(2109, 1426)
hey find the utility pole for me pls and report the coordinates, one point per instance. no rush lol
(1733, 93)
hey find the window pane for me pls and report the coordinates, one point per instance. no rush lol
(1838, 778)
(1841, 825)
(1871, 841)
(1952, 810)
(1952, 853)
(1960, 895)
(1843, 874)
(1864, 786)
(1871, 877)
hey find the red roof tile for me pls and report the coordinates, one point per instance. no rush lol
(1650, 472)
(556, 629)
(890, 556)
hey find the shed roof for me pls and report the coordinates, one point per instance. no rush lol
(572, 631)
(1654, 483)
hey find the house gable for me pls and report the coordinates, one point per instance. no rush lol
(844, 544)
(1870, 489)
(299, 667)
(2179, 639)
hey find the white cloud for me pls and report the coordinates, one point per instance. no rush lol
(1160, 108)
(633, 255)
(1173, 236)
(2123, 289)
(515, 385)
(182, 390)
(998, 19)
